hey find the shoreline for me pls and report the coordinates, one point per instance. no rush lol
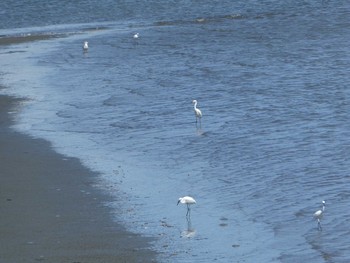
(18, 39)
(50, 209)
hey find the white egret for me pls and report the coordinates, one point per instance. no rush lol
(319, 213)
(197, 112)
(136, 35)
(188, 200)
(86, 46)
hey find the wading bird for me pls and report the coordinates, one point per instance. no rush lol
(318, 215)
(197, 112)
(86, 46)
(188, 200)
(136, 35)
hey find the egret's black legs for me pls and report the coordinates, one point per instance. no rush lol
(188, 214)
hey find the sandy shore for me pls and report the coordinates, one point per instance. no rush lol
(50, 211)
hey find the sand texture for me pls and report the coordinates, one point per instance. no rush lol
(49, 209)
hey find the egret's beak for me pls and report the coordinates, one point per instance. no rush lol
(178, 202)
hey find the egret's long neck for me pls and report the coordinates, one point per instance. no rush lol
(323, 207)
(195, 105)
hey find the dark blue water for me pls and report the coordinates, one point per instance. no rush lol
(271, 80)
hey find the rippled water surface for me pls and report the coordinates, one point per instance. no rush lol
(271, 80)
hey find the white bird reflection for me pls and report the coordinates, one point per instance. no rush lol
(189, 232)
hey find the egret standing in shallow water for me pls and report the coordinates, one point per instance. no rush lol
(197, 112)
(318, 215)
(188, 200)
(86, 46)
(136, 35)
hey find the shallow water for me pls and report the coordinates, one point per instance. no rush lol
(271, 81)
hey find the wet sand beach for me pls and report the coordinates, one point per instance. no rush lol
(50, 211)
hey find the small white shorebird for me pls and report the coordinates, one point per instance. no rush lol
(197, 112)
(136, 35)
(188, 200)
(318, 215)
(86, 46)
